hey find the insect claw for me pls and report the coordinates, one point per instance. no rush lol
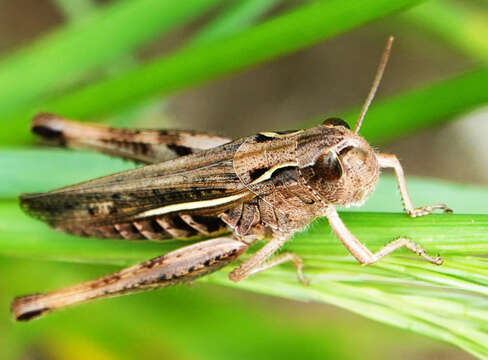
(299, 268)
(440, 207)
(303, 279)
(438, 260)
(429, 209)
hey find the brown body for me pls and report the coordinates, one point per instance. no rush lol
(280, 183)
(197, 185)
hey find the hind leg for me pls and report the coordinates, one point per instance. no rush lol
(140, 145)
(181, 265)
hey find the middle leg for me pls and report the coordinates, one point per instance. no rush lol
(258, 262)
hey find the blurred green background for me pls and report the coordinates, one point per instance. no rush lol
(234, 68)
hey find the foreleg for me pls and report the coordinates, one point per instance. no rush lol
(391, 161)
(362, 253)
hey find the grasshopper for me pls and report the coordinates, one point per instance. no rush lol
(269, 185)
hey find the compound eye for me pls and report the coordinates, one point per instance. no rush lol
(334, 121)
(328, 166)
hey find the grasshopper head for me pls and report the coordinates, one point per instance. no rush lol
(341, 168)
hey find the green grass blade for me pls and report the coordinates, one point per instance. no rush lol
(196, 64)
(421, 108)
(235, 18)
(75, 9)
(21, 169)
(193, 323)
(400, 290)
(88, 43)
(460, 25)
(425, 312)
(446, 303)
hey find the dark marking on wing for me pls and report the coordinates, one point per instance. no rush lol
(115, 206)
(180, 150)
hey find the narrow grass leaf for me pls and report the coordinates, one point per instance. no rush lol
(421, 108)
(193, 65)
(83, 45)
(231, 20)
(75, 9)
(463, 26)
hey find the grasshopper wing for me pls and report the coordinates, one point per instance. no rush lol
(178, 198)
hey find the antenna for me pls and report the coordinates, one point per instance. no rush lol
(376, 83)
